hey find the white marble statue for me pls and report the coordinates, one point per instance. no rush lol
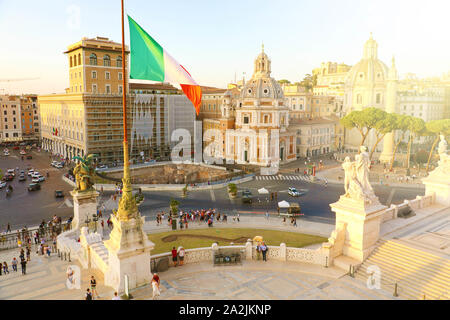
(442, 149)
(356, 184)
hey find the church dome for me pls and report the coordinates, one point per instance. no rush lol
(262, 85)
(369, 69)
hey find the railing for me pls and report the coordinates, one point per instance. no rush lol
(11, 240)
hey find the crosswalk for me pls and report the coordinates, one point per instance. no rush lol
(306, 178)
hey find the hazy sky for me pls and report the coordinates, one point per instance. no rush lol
(216, 39)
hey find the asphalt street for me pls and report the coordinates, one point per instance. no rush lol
(29, 208)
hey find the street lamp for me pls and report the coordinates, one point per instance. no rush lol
(95, 218)
(87, 221)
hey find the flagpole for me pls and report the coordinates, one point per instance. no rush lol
(127, 205)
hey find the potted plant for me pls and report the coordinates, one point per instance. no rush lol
(232, 190)
(174, 209)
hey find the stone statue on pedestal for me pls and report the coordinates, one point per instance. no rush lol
(356, 184)
(84, 173)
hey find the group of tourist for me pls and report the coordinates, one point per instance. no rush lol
(178, 255)
(199, 216)
(262, 249)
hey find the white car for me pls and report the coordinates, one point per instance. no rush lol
(30, 172)
(35, 180)
(35, 174)
(11, 172)
(2, 184)
(59, 166)
(296, 193)
(54, 163)
(41, 178)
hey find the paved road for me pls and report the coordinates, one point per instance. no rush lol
(29, 208)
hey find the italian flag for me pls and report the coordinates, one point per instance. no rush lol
(149, 61)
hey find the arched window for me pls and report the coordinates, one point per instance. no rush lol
(378, 99)
(119, 61)
(71, 62)
(358, 99)
(79, 59)
(93, 59)
(107, 61)
(74, 61)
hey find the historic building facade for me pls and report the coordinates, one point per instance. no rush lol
(261, 134)
(331, 78)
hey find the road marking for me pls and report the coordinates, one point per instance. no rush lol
(389, 200)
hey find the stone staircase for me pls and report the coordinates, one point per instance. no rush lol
(416, 271)
(101, 255)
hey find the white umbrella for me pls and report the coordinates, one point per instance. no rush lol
(283, 204)
(263, 191)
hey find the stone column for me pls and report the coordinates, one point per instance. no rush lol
(84, 205)
(391, 102)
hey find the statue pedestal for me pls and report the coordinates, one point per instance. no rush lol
(362, 225)
(84, 205)
(438, 182)
(128, 254)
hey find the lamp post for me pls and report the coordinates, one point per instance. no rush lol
(95, 219)
(87, 221)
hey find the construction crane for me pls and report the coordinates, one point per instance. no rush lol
(17, 79)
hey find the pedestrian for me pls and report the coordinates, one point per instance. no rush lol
(267, 215)
(5, 268)
(102, 224)
(94, 287)
(22, 254)
(88, 295)
(1, 268)
(24, 266)
(14, 264)
(116, 296)
(174, 256)
(295, 222)
(8, 228)
(28, 254)
(181, 255)
(237, 217)
(264, 250)
(155, 286)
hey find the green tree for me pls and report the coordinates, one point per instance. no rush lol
(416, 128)
(309, 82)
(385, 123)
(284, 81)
(436, 128)
(401, 125)
(363, 121)
(174, 206)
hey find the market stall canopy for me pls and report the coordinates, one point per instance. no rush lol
(263, 191)
(283, 204)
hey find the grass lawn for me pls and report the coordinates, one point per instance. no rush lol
(198, 238)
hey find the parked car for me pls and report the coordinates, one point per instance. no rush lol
(16, 148)
(35, 180)
(59, 194)
(22, 177)
(2, 184)
(30, 172)
(59, 166)
(11, 172)
(41, 178)
(8, 177)
(34, 187)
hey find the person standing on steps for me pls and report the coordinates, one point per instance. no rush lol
(94, 287)
(264, 249)
(174, 256)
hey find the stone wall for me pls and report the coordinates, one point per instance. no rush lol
(419, 202)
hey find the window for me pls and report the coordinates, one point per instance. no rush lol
(79, 59)
(120, 90)
(94, 74)
(107, 61)
(107, 75)
(246, 119)
(120, 75)
(93, 59)
(74, 61)
(378, 99)
(358, 99)
(71, 62)
(108, 89)
(119, 62)
(94, 88)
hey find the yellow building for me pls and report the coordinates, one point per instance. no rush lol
(330, 79)
(88, 117)
(95, 66)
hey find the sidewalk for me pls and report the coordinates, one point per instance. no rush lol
(274, 223)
